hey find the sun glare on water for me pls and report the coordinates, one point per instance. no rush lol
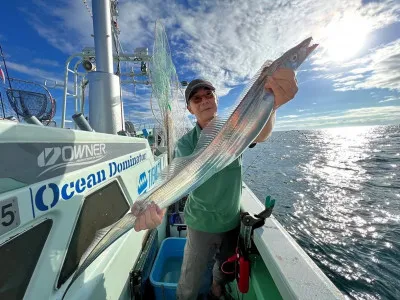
(346, 37)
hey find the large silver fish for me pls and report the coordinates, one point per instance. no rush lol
(221, 142)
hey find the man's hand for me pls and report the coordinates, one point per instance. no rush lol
(150, 218)
(284, 86)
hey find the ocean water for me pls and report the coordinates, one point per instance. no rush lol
(337, 193)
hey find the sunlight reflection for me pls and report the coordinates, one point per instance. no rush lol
(339, 163)
(347, 172)
(55, 258)
(388, 245)
(342, 186)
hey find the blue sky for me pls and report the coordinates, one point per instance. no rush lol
(352, 79)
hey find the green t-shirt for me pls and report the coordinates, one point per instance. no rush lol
(215, 205)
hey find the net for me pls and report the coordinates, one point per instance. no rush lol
(166, 90)
(31, 99)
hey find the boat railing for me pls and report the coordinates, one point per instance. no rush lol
(74, 88)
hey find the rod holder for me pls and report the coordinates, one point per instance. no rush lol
(81, 122)
(33, 120)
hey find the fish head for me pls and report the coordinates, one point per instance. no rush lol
(293, 58)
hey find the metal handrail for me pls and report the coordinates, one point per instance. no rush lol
(77, 95)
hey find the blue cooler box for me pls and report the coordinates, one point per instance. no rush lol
(166, 270)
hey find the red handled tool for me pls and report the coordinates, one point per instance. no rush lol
(243, 250)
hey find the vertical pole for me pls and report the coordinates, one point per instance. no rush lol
(105, 93)
(102, 33)
(2, 106)
(8, 77)
(167, 137)
(64, 103)
(168, 128)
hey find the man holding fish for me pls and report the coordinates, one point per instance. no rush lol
(212, 212)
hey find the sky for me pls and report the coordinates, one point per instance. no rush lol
(352, 78)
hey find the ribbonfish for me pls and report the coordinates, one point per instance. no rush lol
(221, 142)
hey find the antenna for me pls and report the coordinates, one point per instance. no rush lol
(8, 77)
(2, 105)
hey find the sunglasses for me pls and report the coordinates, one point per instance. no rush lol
(196, 99)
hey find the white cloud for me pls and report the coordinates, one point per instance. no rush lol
(35, 73)
(289, 116)
(390, 98)
(380, 70)
(141, 106)
(53, 80)
(352, 117)
(347, 30)
(66, 25)
(46, 62)
(219, 41)
(137, 105)
(345, 79)
(226, 42)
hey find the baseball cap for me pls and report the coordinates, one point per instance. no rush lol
(196, 84)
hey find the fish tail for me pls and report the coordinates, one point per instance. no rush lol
(103, 239)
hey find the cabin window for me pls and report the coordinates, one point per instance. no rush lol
(100, 209)
(18, 259)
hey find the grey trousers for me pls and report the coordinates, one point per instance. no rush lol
(202, 250)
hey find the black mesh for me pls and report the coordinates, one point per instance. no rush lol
(27, 103)
(28, 99)
(18, 259)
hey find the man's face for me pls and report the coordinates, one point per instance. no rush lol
(203, 104)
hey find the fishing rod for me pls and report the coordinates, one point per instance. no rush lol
(260, 153)
(2, 106)
(8, 77)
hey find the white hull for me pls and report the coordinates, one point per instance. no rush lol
(294, 273)
(107, 277)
